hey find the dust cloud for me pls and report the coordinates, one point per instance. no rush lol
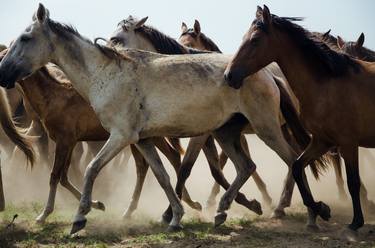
(114, 185)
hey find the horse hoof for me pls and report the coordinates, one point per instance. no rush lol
(40, 219)
(166, 218)
(77, 226)
(175, 228)
(220, 218)
(197, 206)
(314, 228)
(278, 214)
(98, 205)
(350, 235)
(324, 211)
(256, 207)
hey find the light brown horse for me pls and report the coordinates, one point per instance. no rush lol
(335, 92)
(10, 132)
(51, 99)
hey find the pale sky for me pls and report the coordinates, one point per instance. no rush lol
(224, 21)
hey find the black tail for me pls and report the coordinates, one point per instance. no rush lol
(299, 132)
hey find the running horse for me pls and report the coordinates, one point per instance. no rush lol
(335, 93)
(114, 81)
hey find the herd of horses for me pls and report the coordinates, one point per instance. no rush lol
(307, 95)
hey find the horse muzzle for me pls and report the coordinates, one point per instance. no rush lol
(233, 79)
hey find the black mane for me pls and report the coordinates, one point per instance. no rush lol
(68, 32)
(163, 43)
(326, 60)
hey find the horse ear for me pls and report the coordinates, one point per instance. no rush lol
(326, 34)
(340, 42)
(184, 27)
(41, 14)
(266, 14)
(360, 40)
(197, 27)
(141, 22)
(259, 12)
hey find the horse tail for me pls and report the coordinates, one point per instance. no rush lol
(299, 132)
(176, 144)
(14, 133)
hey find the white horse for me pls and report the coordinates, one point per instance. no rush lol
(129, 92)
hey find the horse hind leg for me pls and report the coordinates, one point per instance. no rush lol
(147, 148)
(141, 168)
(228, 137)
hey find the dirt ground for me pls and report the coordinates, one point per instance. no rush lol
(26, 191)
(110, 230)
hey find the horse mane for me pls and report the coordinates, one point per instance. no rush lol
(326, 60)
(362, 53)
(211, 46)
(68, 32)
(163, 43)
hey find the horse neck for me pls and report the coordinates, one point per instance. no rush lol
(37, 90)
(298, 71)
(80, 61)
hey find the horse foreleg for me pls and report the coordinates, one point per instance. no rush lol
(141, 168)
(175, 159)
(62, 154)
(111, 148)
(148, 150)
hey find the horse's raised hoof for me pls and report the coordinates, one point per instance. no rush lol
(197, 206)
(348, 234)
(175, 228)
(278, 214)
(98, 205)
(313, 228)
(220, 218)
(256, 207)
(77, 226)
(167, 217)
(324, 211)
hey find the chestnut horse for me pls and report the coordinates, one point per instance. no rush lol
(335, 93)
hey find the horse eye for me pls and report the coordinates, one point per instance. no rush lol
(115, 40)
(25, 38)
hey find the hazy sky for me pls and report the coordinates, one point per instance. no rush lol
(224, 21)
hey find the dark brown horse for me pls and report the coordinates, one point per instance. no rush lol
(335, 92)
(356, 48)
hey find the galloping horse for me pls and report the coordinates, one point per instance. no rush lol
(133, 33)
(120, 82)
(335, 93)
